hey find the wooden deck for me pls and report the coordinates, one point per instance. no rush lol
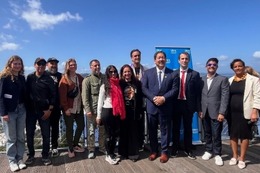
(181, 164)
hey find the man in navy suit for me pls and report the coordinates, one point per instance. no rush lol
(160, 86)
(185, 105)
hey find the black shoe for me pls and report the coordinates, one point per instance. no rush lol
(46, 161)
(174, 153)
(190, 155)
(30, 160)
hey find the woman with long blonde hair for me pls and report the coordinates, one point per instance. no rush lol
(13, 111)
(71, 104)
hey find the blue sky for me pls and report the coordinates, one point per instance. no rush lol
(109, 29)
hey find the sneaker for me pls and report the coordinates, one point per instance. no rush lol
(233, 161)
(55, 153)
(78, 149)
(30, 160)
(174, 153)
(218, 160)
(190, 155)
(71, 154)
(206, 156)
(115, 157)
(46, 161)
(110, 160)
(241, 164)
(91, 155)
(14, 167)
(21, 164)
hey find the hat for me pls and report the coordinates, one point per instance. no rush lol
(39, 59)
(53, 59)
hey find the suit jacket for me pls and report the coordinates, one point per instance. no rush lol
(192, 89)
(251, 95)
(169, 89)
(216, 98)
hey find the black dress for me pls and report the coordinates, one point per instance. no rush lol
(240, 128)
(128, 139)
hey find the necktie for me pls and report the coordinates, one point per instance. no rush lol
(182, 90)
(160, 78)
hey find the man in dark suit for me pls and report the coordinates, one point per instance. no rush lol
(159, 85)
(185, 105)
(214, 104)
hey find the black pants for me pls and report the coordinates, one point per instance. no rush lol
(112, 128)
(181, 112)
(54, 124)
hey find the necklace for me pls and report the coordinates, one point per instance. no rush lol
(237, 79)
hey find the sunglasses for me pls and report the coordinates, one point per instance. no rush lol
(112, 71)
(41, 63)
(214, 65)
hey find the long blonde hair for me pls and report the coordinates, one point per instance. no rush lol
(7, 71)
(67, 70)
(251, 71)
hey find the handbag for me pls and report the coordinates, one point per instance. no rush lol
(73, 93)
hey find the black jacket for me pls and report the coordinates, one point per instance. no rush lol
(13, 93)
(41, 92)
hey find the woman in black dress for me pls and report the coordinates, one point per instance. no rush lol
(244, 106)
(133, 97)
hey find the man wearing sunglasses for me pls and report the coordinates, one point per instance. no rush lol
(214, 104)
(41, 100)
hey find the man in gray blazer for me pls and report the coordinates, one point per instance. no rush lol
(214, 104)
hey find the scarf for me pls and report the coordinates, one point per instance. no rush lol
(117, 98)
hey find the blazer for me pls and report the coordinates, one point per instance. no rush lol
(251, 95)
(215, 99)
(192, 89)
(168, 89)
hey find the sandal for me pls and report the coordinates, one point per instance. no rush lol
(241, 164)
(233, 161)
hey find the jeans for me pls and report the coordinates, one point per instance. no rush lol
(212, 135)
(14, 132)
(31, 120)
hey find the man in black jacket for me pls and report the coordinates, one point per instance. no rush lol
(41, 101)
(52, 70)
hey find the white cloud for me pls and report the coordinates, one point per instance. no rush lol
(223, 57)
(5, 37)
(8, 46)
(38, 19)
(256, 54)
(9, 24)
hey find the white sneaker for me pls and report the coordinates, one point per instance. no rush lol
(206, 156)
(14, 167)
(21, 164)
(233, 161)
(241, 164)
(218, 160)
(110, 160)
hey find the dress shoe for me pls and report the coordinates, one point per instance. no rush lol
(164, 158)
(153, 156)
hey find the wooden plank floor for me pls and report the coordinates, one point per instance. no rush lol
(181, 164)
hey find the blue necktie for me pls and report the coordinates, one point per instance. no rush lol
(160, 78)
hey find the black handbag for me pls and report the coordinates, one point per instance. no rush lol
(73, 93)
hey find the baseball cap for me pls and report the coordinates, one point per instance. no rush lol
(39, 59)
(53, 59)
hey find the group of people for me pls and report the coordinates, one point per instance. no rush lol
(114, 103)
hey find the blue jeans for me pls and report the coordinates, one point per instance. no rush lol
(14, 132)
(31, 120)
(212, 135)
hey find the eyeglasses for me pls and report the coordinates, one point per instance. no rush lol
(214, 65)
(41, 63)
(112, 71)
(136, 55)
